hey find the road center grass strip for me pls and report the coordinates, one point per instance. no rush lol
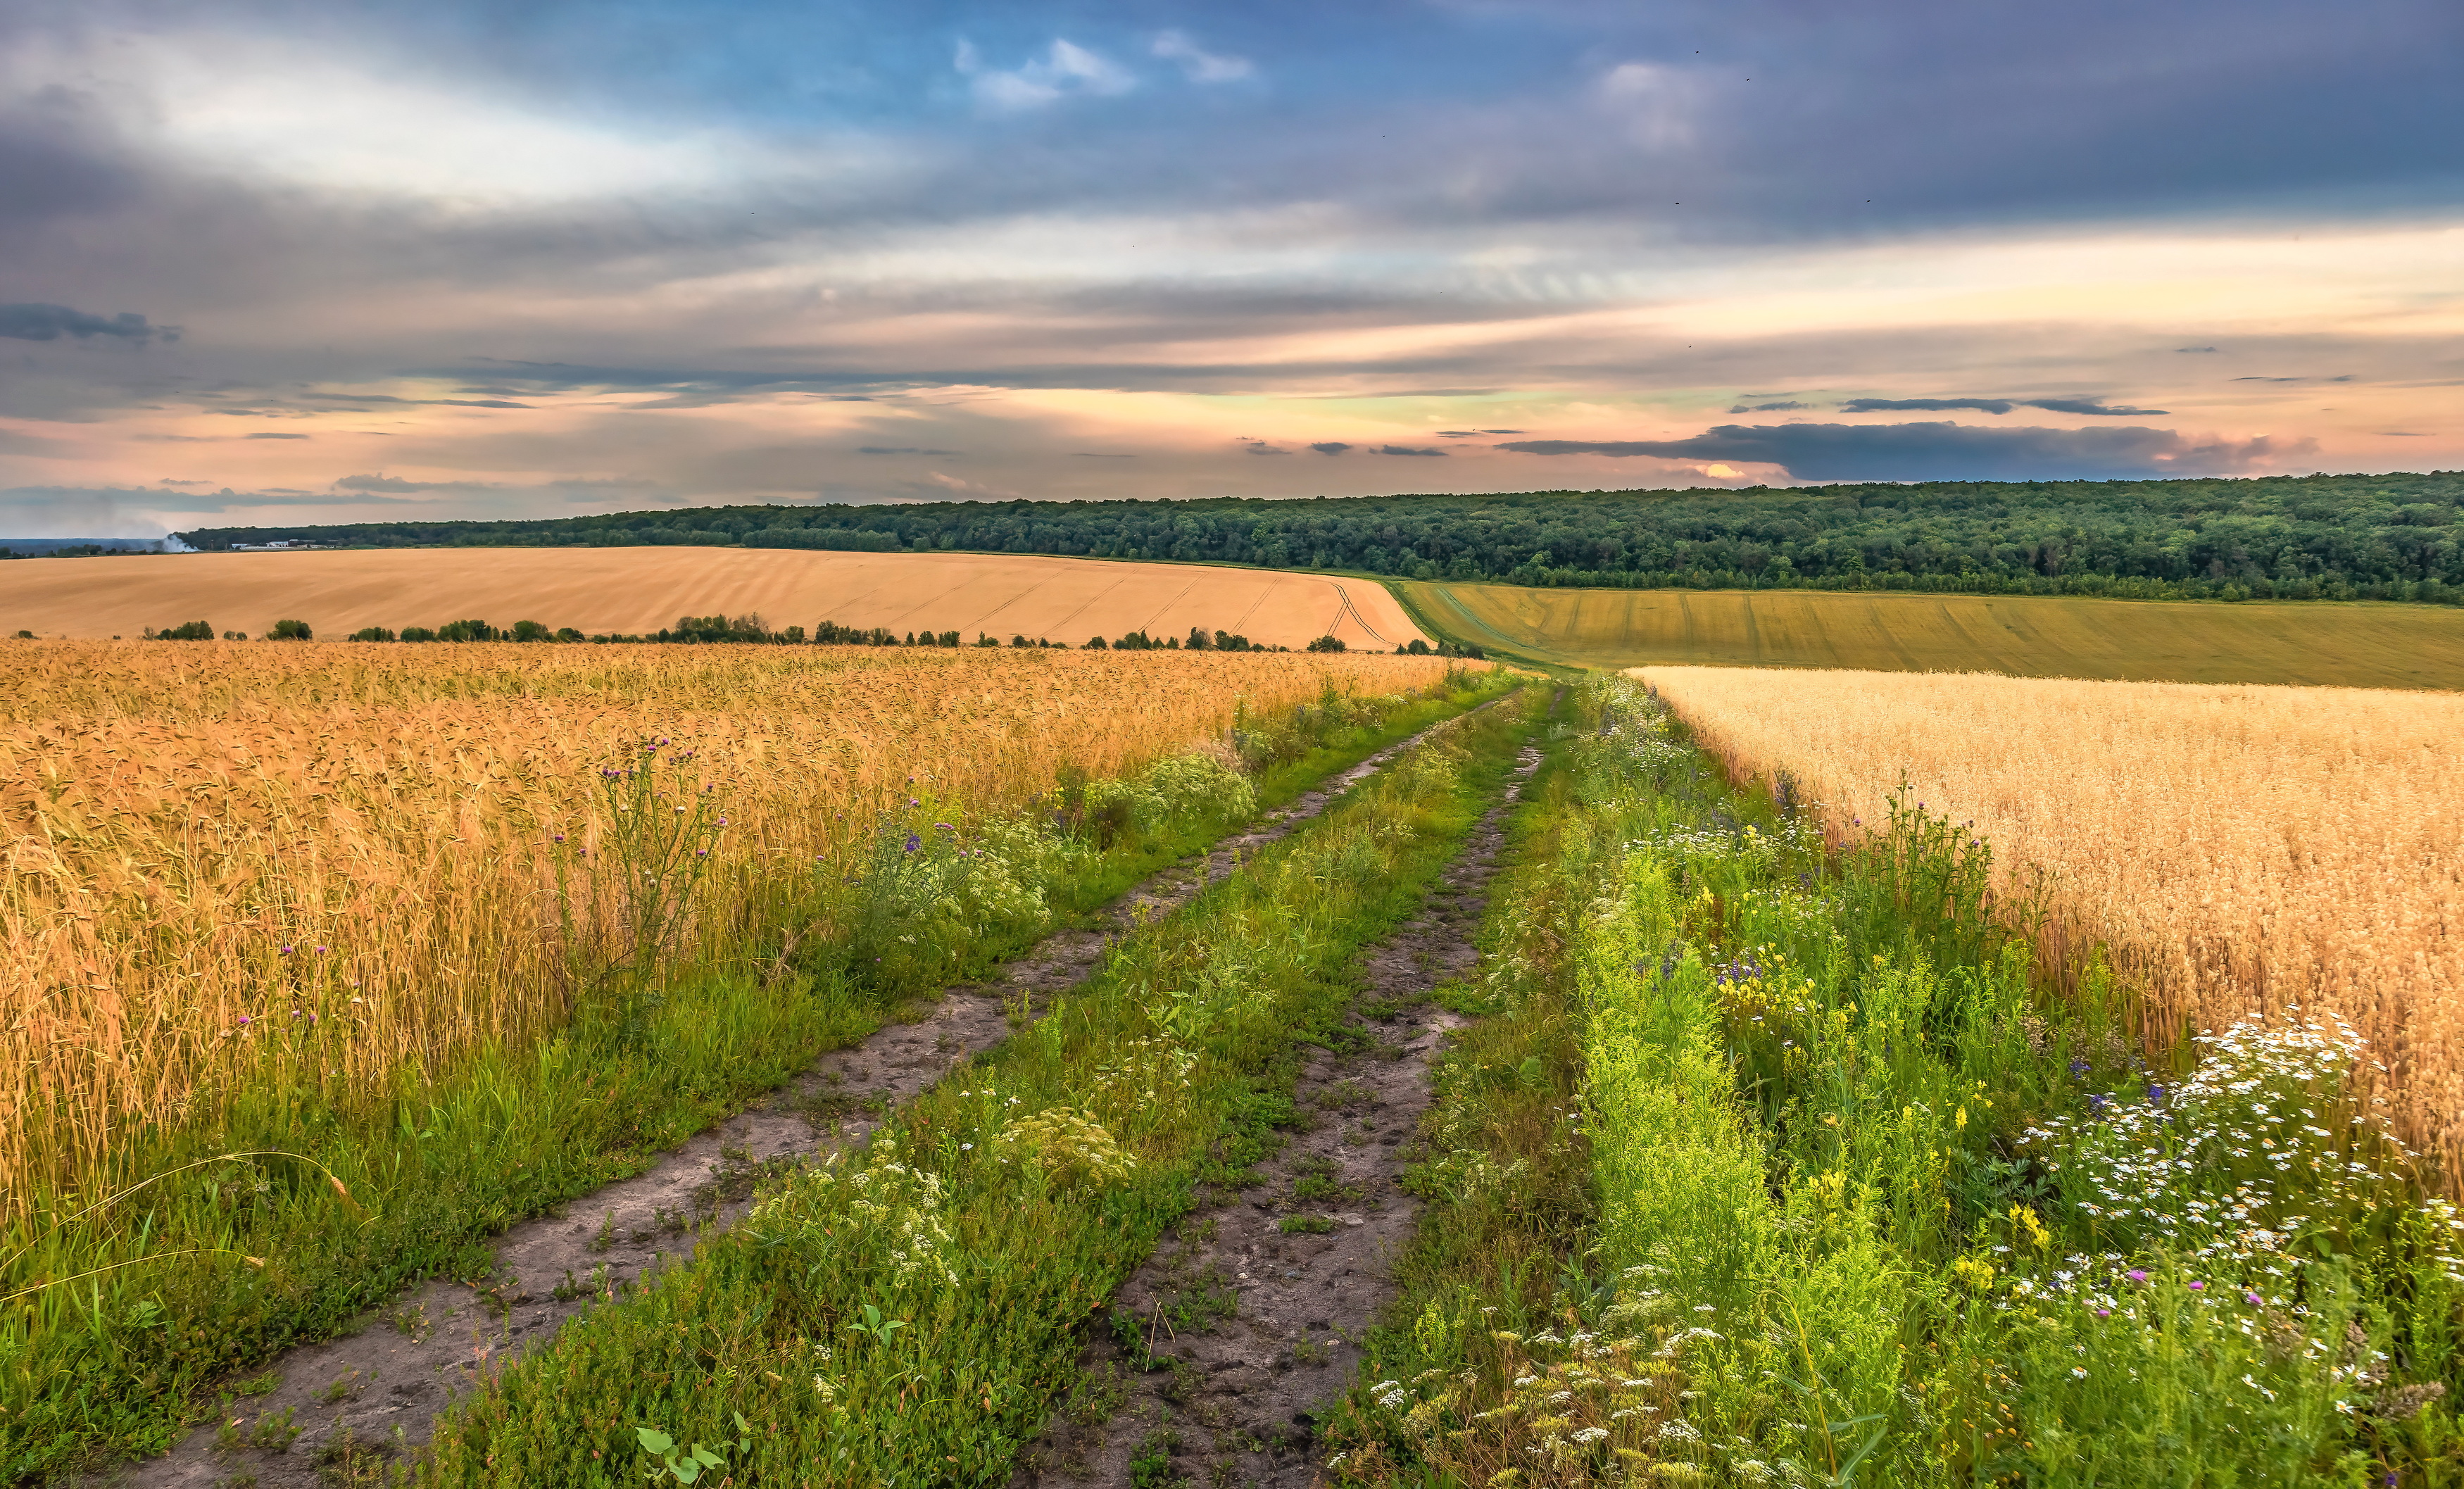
(1872, 1206)
(912, 1313)
(117, 1363)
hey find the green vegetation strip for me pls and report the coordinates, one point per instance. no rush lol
(1865, 1206)
(912, 1313)
(117, 1364)
(2364, 646)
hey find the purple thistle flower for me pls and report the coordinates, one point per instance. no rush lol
(2198, 1287)
(286, 951)
(913, 843)
(2136, 1275)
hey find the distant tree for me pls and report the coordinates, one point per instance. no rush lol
(417, 633)
(1199, 640)
(193, 630)
(372, 633)
(291, 630)
(1327, 644)
(1098, 644)
(532, 630)
(568, 633)
(467, 630)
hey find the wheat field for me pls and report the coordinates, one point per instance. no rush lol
(305, 867)
(2242, 850)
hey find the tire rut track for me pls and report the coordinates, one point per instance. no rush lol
(409, 1360)
(1250, 1320)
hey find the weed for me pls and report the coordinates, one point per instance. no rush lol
(606, 1236)
(349, 1385)
(1151, 1463)
(276, 1432)
(1306, 1225)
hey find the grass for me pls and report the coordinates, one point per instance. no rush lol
(2237, 851)
(2346, 646)
(453, 1152)
(1871, 1204)
(912, 1313)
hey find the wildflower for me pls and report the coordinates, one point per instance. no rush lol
(2136, 1275)
(2198, 1287)
(913, 843)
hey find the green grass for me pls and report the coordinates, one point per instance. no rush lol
(2344, 646)
(1868, 1205)
(914, 1312)
(119, 1364)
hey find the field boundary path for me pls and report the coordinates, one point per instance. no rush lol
(1271, 1320)
(411, 1359)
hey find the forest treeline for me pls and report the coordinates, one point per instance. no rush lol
(2392, 536)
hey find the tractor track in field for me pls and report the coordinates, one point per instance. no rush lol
(1241, 1332)
(379, 1389)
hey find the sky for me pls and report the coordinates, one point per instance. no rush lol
(266, 262)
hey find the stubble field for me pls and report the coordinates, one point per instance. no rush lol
(635, 591)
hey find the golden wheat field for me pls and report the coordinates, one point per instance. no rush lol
(310, 865)
(635, 591)
(2243, 850)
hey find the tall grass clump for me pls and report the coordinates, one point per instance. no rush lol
(1879, 1204)
(2241, 852)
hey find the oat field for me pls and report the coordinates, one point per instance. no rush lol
(2243, 850)
(313, 867)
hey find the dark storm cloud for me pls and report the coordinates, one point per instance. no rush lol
(37, 322)
(1943, 451)
(1778, 408)
(1330, 447)
(1405, 449)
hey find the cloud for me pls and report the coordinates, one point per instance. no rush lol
(1501, 431)
(2194, 348)
(1778, 408)
(1066, 70)
(901, 449)
(39, 322)
(275, 436)
(2091, 406)
(1992, 406)
(388, 398)
(1199, 64)
(1261, 448)
(382, 482)
(1948, 451)
(1330, 447)
(1405, 449)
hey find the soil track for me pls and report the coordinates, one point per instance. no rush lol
(383, 1384)
(1246, 1331)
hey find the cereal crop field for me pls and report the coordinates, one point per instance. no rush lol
(2245, 851)
(204, 837)
(635, 591)
(2341, 645)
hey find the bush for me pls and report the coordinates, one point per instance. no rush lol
(532, 630)
(291, 630)
(193, 630)
(1327, 644)
(417, 633)
(372, 633)
(469, 630)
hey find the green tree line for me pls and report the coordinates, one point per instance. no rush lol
(2394, 536)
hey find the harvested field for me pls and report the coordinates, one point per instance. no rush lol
(2319, 643)
(236, 863)
(639, 590)
(2243, 850)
